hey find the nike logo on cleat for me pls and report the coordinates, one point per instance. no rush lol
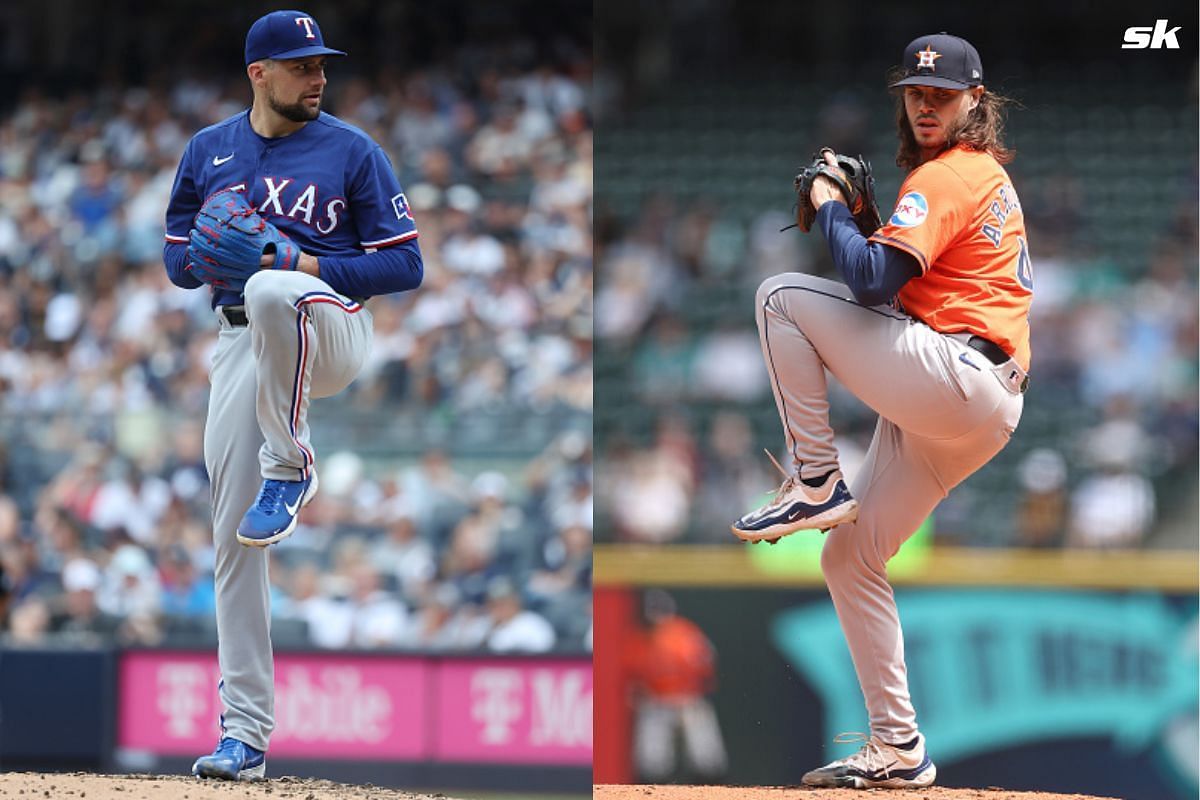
(293, 509)
(219, 161)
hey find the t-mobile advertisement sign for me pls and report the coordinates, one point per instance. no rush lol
(535, 711)
(327, 706)
(522, 712)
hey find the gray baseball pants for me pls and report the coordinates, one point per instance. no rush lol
(303, 340)
(944, 411)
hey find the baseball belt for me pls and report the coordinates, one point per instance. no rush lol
(234, 315)
(995, 354)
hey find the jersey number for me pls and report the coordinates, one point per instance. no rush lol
(1024, 265)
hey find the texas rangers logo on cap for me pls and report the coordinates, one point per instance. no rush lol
(308, 23)
(286, 34)
(911, 211)
(926, 57)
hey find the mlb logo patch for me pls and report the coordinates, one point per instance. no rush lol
(911, 211)
(400, 206)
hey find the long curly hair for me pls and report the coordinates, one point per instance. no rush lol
(984, 128)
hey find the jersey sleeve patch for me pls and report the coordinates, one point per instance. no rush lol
(400, 206)
(911, 210)
(381, 211)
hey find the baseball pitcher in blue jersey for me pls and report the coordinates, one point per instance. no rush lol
(317, 204)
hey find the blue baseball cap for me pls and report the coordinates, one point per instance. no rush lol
(942, 60)
(286, 34)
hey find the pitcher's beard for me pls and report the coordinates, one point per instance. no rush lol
(295, 112)
(955, 129)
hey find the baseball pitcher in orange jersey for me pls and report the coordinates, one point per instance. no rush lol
(931, 331)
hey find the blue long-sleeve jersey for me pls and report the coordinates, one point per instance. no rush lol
(328, 186)
(873, 271)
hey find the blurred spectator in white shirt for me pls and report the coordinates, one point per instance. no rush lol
(131, 584)
(515, 629)
(330, 620)
(379, 618)
(403, 553)
(444, 623)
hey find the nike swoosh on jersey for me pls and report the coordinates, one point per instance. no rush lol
(219, 161)
(292, 509)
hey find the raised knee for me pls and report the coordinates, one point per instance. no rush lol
(256, 287)
(265, 289)
(793, 280)
(767, 288)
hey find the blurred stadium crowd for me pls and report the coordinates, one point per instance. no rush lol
(1107, 451)
(103, 373)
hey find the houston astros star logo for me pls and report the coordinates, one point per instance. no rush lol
(927, 57)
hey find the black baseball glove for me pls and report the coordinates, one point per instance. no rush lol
(853, 177)
(229, 239)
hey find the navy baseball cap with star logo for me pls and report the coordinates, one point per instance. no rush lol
(942, 60)
(286, 34)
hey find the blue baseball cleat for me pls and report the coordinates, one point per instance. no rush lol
(232, 761)
(273, 515)
(799, 507)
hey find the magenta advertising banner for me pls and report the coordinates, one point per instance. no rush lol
(325, 705)
(363, 708)
(521, 712)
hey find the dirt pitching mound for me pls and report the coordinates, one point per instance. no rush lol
(611, 792)
(85, 786)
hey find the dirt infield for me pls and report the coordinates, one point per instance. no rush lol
(610, 792)
(35, 785)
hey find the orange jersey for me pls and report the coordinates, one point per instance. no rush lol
(959, 216)
(672, 659)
